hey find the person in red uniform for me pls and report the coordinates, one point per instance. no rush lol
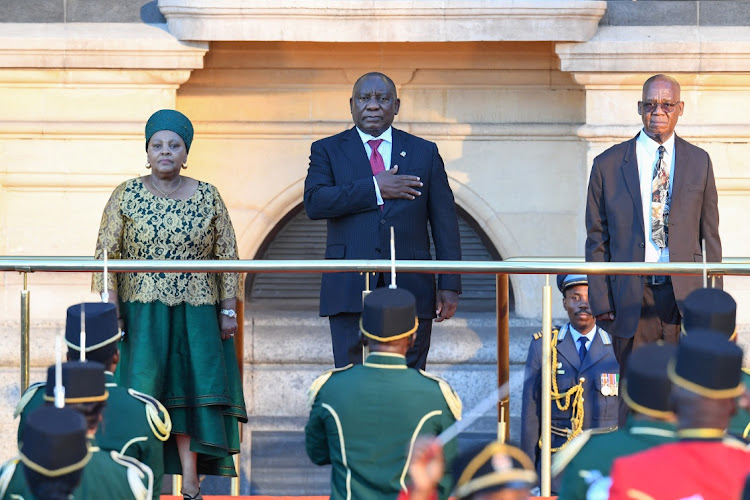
(705, 463)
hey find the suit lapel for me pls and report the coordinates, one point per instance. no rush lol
(596, 352)
(567, 349)
(353, 148)
(629, 170)
(400, 143)
(680, 155)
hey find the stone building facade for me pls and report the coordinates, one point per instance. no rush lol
(519, 95)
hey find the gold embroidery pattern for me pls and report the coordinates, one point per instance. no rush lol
(138, 225)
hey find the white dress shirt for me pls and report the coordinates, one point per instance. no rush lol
(384, 149)
(646, 150)
(575, 334)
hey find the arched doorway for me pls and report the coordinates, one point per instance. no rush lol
(297, 237)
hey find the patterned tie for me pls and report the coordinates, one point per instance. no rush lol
(582, 350)
(376, 161)
(660, 202)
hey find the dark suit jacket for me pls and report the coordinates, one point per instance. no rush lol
(339, 188)
(614, 223)
(598, 410)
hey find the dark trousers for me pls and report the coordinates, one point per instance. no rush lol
(348, 341)
(660, 320)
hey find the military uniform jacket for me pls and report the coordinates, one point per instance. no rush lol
(125, 427)
(364, 420)
(697, 469)
(739, 426)
(600, 411)
(588, 458)
(108, 475)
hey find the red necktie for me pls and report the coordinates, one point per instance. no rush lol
(376, 161)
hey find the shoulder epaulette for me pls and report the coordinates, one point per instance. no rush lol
(734, 442)
(139, 439)
(606, 339)
(454, 402)
(539, 335)
(6, 474)
(161, 426)
(137, 472)
(562, 458)
(319, 382)
(746, 370)
(26, 397)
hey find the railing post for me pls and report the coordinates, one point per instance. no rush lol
(25, 329)
(503, 353)
(239, 352)
(546, 387)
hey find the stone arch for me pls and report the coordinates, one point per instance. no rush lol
(479, 225)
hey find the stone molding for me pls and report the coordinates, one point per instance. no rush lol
(651, 49)
(377, 21)
(440, 131)
(96, 45)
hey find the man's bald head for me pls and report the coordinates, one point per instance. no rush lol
(662, 78)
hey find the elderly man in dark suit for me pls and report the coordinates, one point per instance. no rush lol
(650, 199)
(363, 181)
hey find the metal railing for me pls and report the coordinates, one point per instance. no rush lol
(516, 265)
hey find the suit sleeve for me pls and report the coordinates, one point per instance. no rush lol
(443, 221)
(530, 402)
(597, 243)
(709, 225)
(316, 440)
(324, 198)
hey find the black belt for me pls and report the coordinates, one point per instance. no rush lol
(658, 280)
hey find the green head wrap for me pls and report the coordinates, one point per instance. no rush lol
(169, 119)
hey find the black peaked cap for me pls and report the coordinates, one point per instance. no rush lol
(53, 441)
(389, 314)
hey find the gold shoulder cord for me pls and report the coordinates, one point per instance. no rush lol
(573, 395)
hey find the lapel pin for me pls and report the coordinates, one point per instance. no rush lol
(403, 154)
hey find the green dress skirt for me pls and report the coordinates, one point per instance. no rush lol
(176, 354)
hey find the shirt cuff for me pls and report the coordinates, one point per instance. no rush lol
(377, 192)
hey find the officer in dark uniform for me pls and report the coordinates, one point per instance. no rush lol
(53, 452)
(587, 459)
(704, 462)
(133, 423)
(107, 474)
(585, 377)
(716, 309)
(365, 418)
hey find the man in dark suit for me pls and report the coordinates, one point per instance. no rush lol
(650, 199)
(363, 181)
(585, 381)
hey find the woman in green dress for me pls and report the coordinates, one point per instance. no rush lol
(178, 344)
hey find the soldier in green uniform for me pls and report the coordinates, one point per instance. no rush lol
(365, 419)
(133, 423)
(108, 474)
(716, 310)
(588, 458)
(54, 452)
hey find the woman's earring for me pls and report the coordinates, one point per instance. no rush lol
(184, 165)
(148, 164)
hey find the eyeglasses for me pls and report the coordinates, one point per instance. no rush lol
(667, 107)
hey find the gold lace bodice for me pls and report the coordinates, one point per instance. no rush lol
(139, 225)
